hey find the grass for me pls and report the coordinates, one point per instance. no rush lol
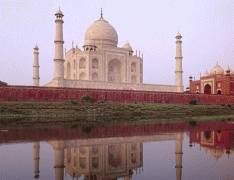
(115, 110)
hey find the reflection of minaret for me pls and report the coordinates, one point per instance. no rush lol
(36, 147)
(178, 153)
(59, 160)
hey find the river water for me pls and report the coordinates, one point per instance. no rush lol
(138, 152)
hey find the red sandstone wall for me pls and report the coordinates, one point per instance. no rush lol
(25, 93)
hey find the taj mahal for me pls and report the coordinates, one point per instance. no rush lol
(101, 64)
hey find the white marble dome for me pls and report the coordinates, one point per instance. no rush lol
(127, 46)
(217, 70)
(101, 32)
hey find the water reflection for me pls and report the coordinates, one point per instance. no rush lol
(110, 158)
(117, 152)
(214, 142)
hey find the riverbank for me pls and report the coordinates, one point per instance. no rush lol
(137, 111)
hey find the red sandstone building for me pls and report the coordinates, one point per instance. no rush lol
(217, 82)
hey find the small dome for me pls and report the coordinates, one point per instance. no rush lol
(89, 43)
(178, 34)
(59, 12)
(36, 47)
(206, 149)
(231, 72)
(101, 32)
(217, 153)
(206, 74)
(217, 70)
(127, 46)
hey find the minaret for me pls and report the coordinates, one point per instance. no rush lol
(58, 58)
(36, 147)
(36, 67)
(178, 71)
(178, 154)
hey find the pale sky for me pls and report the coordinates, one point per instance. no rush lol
(150, 26)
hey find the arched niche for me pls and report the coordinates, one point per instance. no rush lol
(115, 71)
(74, 76)
(68, 155)
(207, 135)
(133, 79)
(95, 63)
(133, 67)
(95, 150)
(133, 158)
(95, 76)
(82, 76)
(82, 161)
(74, 64)
(82, 63)
(114, 155)
(68, 70)
(95, 162)
(207, 89)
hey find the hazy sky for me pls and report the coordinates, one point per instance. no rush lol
(150, 26)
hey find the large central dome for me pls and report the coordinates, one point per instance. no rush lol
(102, 33)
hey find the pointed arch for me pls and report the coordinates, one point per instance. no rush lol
(82, 63)
(133, 79)
(133, 67)
(95, 76)
(95, 63)
(207, 89)
(74, 64)
(68, 70)
(115, 70)
(82, 76)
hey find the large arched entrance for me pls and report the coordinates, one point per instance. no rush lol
(115, 71)
(207, 89)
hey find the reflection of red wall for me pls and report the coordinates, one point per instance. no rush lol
(105, 132)
(225, 140)
(24, 93)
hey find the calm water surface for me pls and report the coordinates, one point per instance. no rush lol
(157, 151)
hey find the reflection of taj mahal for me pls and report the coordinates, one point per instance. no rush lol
(105, 158)
(101, 64)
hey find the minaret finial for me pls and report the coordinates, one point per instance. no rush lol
(101, 13)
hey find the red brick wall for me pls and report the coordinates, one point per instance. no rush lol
(25, 93)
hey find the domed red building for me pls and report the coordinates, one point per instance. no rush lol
(217, 81)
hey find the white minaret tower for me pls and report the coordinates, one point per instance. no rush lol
(36, 67)
(179, 71)
(58, 58)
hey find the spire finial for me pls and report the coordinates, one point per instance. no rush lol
(101, 13)
(59, 7)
